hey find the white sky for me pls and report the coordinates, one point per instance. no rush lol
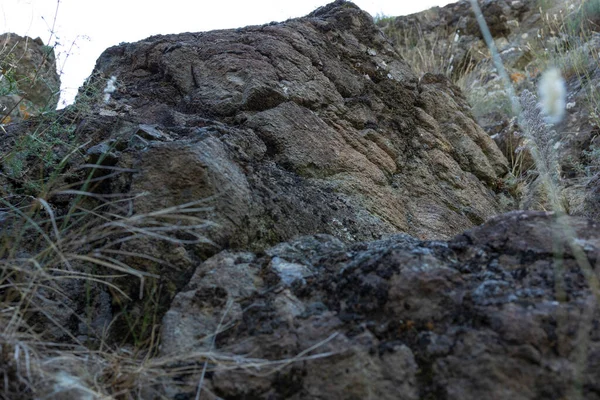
(85, 28)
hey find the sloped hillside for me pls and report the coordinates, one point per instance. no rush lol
(287, 211)
(532, 36)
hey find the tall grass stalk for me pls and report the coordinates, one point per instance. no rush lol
(543, 153)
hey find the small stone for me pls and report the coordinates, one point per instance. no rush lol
(102, 154)
(290, 272)
(149, 132)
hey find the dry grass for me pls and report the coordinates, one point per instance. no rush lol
(42, 251)
(51, 370)
(429, 52)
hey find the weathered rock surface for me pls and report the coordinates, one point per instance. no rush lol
(476, 317)
(319, 153)
(311, 126)
(29, 80)
(314, 125)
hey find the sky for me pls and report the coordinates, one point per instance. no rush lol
(83, 29)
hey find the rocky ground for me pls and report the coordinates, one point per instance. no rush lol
(531, 36)
(290, 211)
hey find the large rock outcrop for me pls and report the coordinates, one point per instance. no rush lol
(311, 126)
(353, 248)
(473, 318)
(314, 125)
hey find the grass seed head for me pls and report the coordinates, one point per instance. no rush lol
(553, 95)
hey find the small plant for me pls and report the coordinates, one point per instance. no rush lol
(8, 81)
(96, 89)
(36, 158)
(382, 19)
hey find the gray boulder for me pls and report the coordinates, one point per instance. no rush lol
(474, 317)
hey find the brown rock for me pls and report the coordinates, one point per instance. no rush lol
(308, 126)
(30, 83)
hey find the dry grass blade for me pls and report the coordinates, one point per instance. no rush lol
(33, 224)
(48, 209)
(544, 155)
(57, 247)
